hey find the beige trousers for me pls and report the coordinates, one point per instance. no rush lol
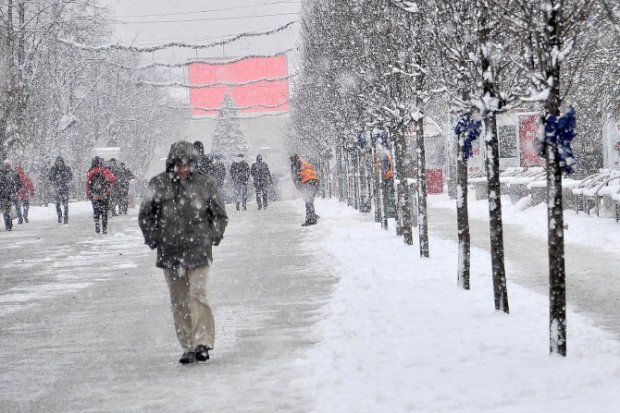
(193, 317)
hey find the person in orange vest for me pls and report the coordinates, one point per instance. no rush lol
(385, 169)
(306, 180)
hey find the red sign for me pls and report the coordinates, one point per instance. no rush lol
(434, 181)
(253, 97)
(528, 130)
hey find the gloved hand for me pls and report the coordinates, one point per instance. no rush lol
(216, 241)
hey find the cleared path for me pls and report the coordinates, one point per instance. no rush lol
(85, 323)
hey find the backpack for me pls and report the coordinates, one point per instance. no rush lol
(99, 187)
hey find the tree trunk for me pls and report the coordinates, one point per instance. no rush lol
(555, 214)
(376, 183)
(340, 171)
(356, 177)
(500, 290)
(403, 172)
(422, 192)
(462, 217)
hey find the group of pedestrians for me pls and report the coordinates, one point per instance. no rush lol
(107, 187)
(240, 173)
(16, 188)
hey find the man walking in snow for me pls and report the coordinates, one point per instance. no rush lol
(240, 174)
(183, 216)
(262, 180)
(306, 181)
(98, 182)
(59, 177)
(9, 185)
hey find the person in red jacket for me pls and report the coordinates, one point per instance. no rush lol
(98, 182)
(22, 197)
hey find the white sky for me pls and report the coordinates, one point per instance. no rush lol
(149, 22)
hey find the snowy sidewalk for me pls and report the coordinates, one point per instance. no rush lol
(337, 317)
(86, 324)
(400, 336)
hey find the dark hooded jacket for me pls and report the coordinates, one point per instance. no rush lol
(182, 218)
(59, 176)
(9, 185)
(260, 173)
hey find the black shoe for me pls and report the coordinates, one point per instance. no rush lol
(309, 222)
(59, 219)
(20, 221)
(202, 352)
(26, 220)
(66, 220)
(188, 357)
(97, 230)
(105, 231)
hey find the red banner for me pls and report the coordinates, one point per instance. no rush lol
(528, 130)
(256, 97)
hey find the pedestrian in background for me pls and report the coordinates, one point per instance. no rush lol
(59, 177)
(9, 185)
(262, 181)
(114, 203)
(204, 164)
(183, 216)
(240, 174)
(22, 197)
(122, 181)
(99, 180)
(306, 181)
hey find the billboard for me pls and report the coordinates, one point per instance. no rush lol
(528, 130)
(240, 79)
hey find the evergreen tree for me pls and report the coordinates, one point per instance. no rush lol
(228, 137)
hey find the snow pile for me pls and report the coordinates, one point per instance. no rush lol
(400, 336)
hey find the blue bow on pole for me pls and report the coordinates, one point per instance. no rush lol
(560, 132)
(471, 127)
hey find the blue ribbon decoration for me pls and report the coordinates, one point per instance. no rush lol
(471, 127)
(560, 132)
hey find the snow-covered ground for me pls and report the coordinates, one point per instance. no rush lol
(582, 229)
(398, 335)
(337, 317)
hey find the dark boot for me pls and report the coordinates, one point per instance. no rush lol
(97, 229)
(188, 357)
(202, 352)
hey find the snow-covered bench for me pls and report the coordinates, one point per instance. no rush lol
(478, 180)
(586, 189)
(600, 196)
(616, 201)
(518, 184)
(538, 190)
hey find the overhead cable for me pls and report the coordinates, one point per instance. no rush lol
(176, 44)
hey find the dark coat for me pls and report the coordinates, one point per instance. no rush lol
(59, 177)
(183, 219)
(260, 174)
(240, 172)
(9, 185)
(219, 173)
